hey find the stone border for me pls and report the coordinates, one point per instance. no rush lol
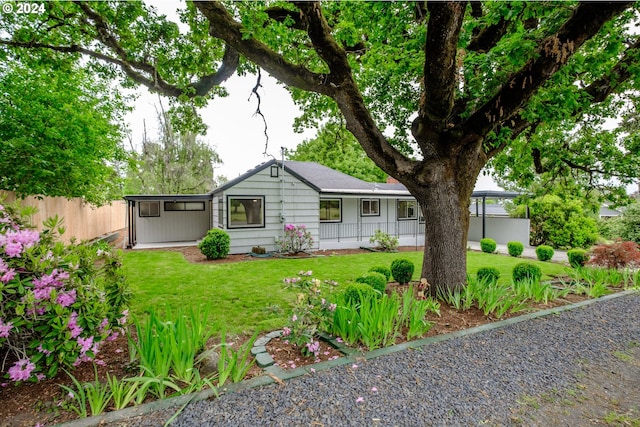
(276, 374)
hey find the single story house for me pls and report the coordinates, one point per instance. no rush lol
(339, 211)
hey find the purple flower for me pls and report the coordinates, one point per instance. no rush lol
(21, 370)
(66, 299)
(43, 350)
(85, 344)
(13, 249)
(5, 328)
(73, 325)
(8, 276)
(286, 331)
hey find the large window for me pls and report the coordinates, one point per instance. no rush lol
(407, 209)
(183, 206)
(330, 210)
(149, 209)
(245, 211)
(370, 207)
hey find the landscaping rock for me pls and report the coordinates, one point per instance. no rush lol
(208, 362)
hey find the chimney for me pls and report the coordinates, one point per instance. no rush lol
(392, 180)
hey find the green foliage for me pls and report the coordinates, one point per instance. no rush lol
(59, 302)
(177, 163)
(355, 292)
(561, 223)
(377, 321)
(544, 252)
(336, 148)
(234, 364)
(577, 257)
(515, 249)
(377, 281)
(60, 133)
(616, 255)
(488, 245)
(215, 244)
(625, 227)
(384, 241)
(526, 271)
(382, 270)
(402, 270)
(490, 275)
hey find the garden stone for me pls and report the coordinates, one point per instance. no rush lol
(261, 341)
(274, 334)
(208, 362)
(258, 349)
(263, 360)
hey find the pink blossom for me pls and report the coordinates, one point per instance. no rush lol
(360, 399)
(42, 293)
(286, 331)
(13, 249)
(294, 318)
(66, 299)
(5, 328)
(73, 325)
(374, 389)
(354, 366)
(113, 336)
(85, 344)
(100, 362)
(43, 350)
(21, 370)
(8, 276)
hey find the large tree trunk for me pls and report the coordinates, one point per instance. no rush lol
(446, 211)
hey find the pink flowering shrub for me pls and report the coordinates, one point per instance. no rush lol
(312, 313)
(58, 302)
(296, 239)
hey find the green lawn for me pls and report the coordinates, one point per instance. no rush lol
(250, 296)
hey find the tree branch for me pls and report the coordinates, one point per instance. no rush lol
(553, 53)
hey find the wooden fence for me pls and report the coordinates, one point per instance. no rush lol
(81, 220)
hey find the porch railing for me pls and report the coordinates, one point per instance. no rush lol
(363, 231)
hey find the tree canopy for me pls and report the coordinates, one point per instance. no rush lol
(432, 91)
(59, 134)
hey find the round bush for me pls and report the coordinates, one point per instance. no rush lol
(488, 245)
(215, 244)
(544, 252)
(354, 291)
(577, 257)
(515, 248)
(377, 281)
(526, 271)
(402, 270)
(382, 270)
(488, 275)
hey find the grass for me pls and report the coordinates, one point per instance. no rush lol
(245, 297)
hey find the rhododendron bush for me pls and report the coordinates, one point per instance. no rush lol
(58, 302)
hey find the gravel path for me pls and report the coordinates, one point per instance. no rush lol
(471, 380)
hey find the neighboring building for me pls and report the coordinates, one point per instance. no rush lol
(339, 211)
(607, 212)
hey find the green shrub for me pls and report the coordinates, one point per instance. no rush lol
(488, 275)
(515, 248)
(215, 244)
(577, 257)
(402, 270)
(384, 241)
(382, 270)
(377, 281)
(488, 245)
(354, 291)
(59, 301)
(526, 272)
(544, 252)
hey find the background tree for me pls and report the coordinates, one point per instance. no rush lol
(336, 148)
(456, 82)
(178, 163)
(624, 227)
(59, 133)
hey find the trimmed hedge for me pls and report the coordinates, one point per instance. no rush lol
(526, 271)
(577, 257)
(215, 244)
(377, 281)
(544, 252)
(515, 248)
(488, 245)
(488, 275)
(382, 270)
(402, 270)
(354, 291)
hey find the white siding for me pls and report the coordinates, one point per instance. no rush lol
(174, 226)
(301, 207)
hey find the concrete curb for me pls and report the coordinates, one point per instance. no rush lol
(275, 374)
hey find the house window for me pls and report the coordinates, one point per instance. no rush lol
(330, 210)
(407, 209)
(183, 206)
(370, 207)
(245, 212)
(149, 209)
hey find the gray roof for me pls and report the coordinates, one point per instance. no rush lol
(325, 180)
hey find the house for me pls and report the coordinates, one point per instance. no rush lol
(339, 211)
